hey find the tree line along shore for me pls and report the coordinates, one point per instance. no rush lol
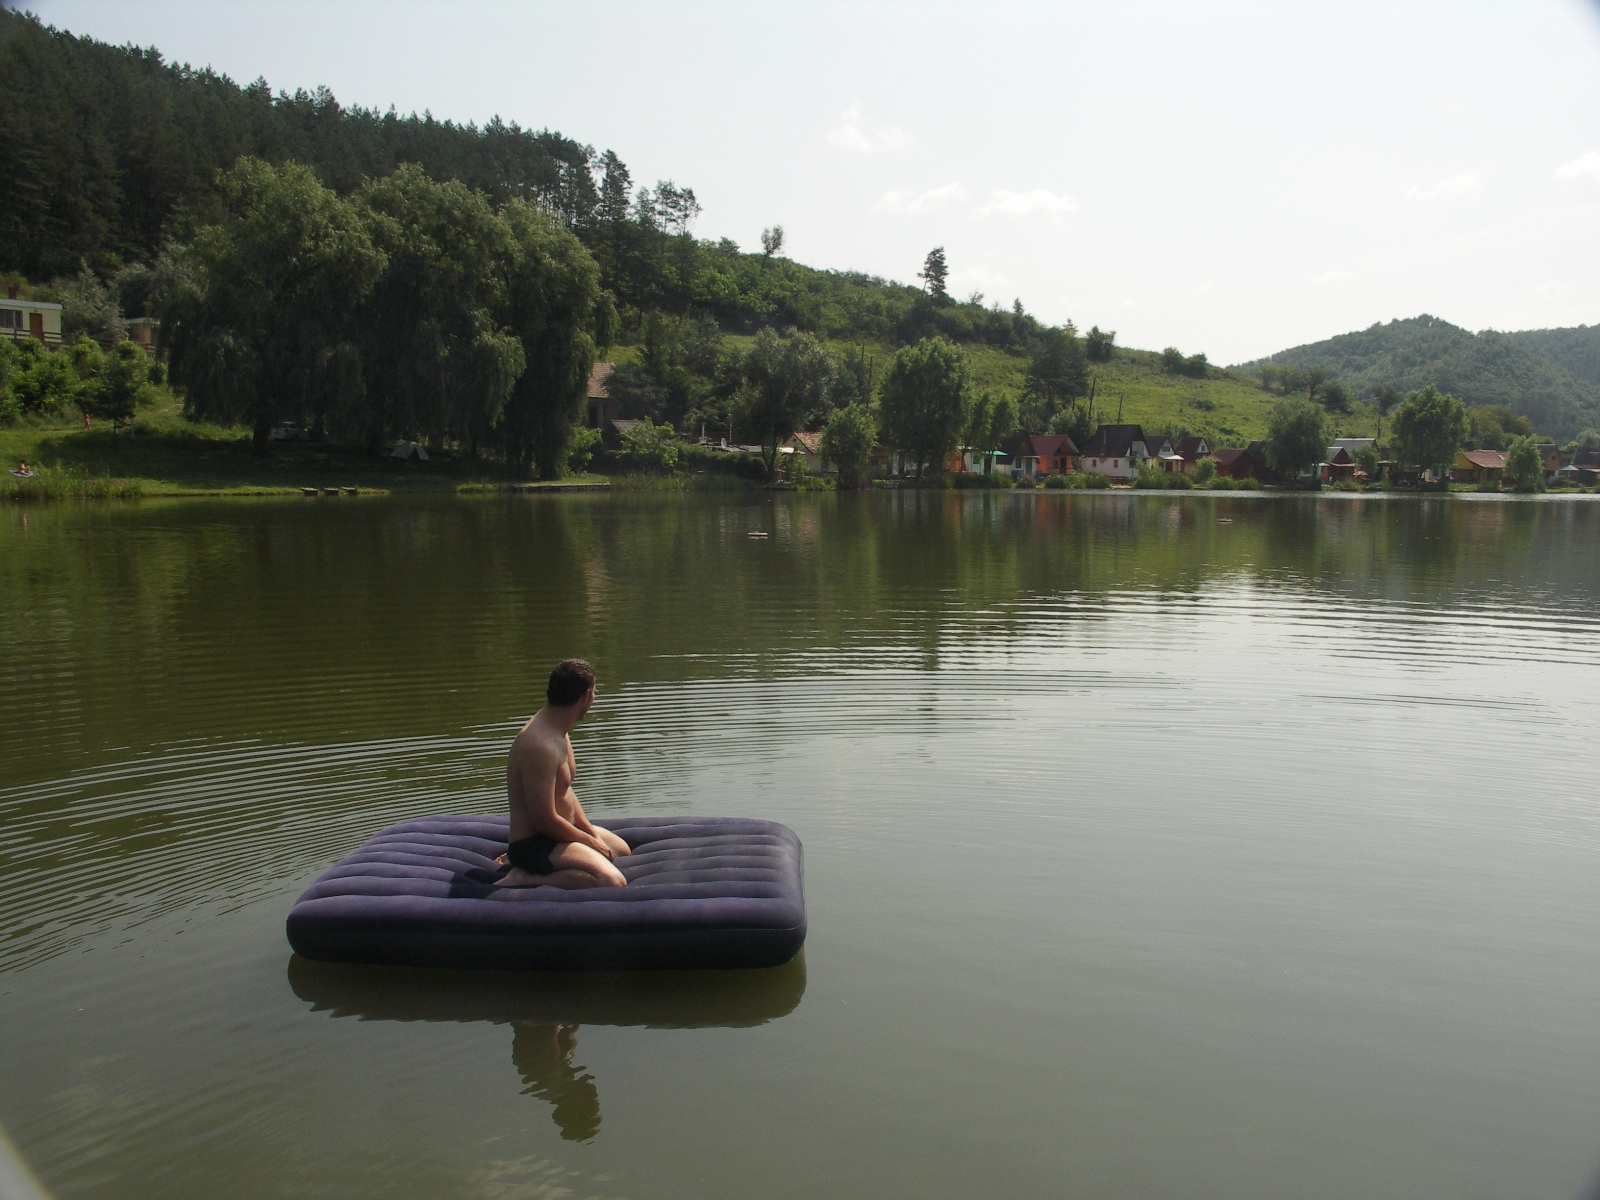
(260, 291)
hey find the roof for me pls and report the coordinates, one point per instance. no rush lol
(1114, 441)
(1157, 444)
(597, 381)
(1589, 460)
(1192, 448)
(1493, 460)
(1339, 455)
(29, 304)
(1040, 445)
(1354, 444)
(1228, 455)
(809, 440)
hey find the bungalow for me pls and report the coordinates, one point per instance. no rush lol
(978, 462)
(808, 445)
(23, 319)
(1250, 462)
(1038, 455)
(1192, 449)
(1159, 447)
(603, 409)
(1550, 456)
(1584, 469)
(1338, 466)
(1115, 451)
(1478, 466)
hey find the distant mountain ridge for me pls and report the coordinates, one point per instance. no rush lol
(1532, 372)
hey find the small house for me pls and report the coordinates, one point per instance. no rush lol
(1338, 466)
(1192, 449)
(602, 407)
(1038, 455)
(23, 319)
(808, 445)
(1478, 466)
(1115, 451)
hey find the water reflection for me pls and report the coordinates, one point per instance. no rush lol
(543, 1055)
(547, 1011)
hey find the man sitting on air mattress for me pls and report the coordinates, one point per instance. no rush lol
(552, 842)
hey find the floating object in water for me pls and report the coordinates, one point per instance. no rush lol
(703, 892)
(305, 491)
(756, 533)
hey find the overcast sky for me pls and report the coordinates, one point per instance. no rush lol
(1232, 178)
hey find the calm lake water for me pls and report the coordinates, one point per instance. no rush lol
(1156, 845)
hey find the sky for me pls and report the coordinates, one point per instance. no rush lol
(1231, 178)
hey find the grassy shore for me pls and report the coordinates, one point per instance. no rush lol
(163, 454)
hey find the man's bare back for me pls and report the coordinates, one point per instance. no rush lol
(552, 842)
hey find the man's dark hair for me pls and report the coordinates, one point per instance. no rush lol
(568, 682)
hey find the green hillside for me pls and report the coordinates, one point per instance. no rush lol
(1488, 368)
(1576, 350)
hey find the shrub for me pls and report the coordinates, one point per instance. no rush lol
(993, 480)
(1027, 481)
(1205, 471)
(581, 449)
(1095, 482)
(1487, 485)
(1057, 481)
(649, 448)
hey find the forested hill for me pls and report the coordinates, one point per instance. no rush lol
(109, 150)
(1517, 370)
(1576, 349)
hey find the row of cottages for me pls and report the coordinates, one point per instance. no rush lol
(1489, 466)
(1120, 452)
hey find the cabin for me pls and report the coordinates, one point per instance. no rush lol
(1249, 462)
(1583, 470)
(1192, 449)
(1478, 466)
(23, 319)
(808, 445)
(1158, 446)
(602, 407)
(1550, 457)
(1338, 467)
(979, 462)
(1115, 451)
(1038, 455)
(143, 331)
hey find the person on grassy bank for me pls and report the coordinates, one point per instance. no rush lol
(552, 842)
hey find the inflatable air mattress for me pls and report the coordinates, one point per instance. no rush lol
(703, 893)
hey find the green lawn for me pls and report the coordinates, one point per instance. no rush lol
(166, 455)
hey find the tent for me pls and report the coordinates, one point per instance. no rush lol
(409, 450)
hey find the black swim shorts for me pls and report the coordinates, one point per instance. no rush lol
(532, 854)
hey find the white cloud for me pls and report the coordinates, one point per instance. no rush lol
(906, 205)
(1330, 277)
(854, 133)
(1454, 188)
(1552, 287)
(1584, 164)
(1023, 204)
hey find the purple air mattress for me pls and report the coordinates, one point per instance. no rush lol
(703, 892)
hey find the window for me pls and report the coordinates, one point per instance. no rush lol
(10, 318)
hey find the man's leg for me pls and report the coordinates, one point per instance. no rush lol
(573, 866)
(617, 845)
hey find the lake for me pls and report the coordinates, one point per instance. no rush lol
(1156, 845)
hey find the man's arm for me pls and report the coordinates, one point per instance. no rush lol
(539, 792)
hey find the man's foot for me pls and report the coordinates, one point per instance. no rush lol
(517, 877)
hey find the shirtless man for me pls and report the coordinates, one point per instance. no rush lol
(552, 842)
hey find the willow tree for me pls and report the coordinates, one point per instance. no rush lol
(786, 382)
(437, 360)
(555, 309)
(923, 403)
(264, 334)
